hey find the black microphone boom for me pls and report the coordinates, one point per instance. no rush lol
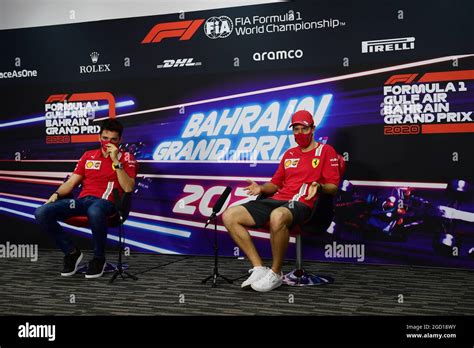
(220, 202)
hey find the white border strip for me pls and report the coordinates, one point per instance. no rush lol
(145, 226)
(62, 175)
(41, 174)
(32, 181)
(42, 118)
(298, 85)
(88, 231)
(24, 197)
(258, 234)
(251, 163)
(206, 177)
(425, 185)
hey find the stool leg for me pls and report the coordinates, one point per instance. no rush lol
(299, 277)
(299, 253)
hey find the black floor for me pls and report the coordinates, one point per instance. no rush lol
(165, 282)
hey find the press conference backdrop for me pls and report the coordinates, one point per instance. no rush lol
(206, 98)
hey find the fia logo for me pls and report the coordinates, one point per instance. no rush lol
(218, 27)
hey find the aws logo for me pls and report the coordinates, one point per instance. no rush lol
(291, 163)
(93, 164)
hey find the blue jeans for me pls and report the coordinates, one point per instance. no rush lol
(96, 209)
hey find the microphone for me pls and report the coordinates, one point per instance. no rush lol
(220, 202)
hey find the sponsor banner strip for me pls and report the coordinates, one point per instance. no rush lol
(425, 185)
(447, 128)
(85, 138)
(447, 76)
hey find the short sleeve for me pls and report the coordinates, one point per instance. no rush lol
(279, 175)
(81, 166)
(130, 165)
(330, 171)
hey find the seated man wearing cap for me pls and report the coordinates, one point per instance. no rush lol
(303, 173)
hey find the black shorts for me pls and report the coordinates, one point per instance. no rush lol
(261, 209)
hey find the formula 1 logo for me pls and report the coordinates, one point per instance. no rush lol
(426, 103)
(183, 29)
(178, 63)
(69, 118)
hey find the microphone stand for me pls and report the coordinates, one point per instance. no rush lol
(119, 271)
(215, 273)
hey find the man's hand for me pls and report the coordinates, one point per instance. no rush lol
(253, 189)
(53, 198)
(112, 150)
(313, 189)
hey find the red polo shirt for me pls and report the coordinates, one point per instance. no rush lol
(99, 177)
(298, 169)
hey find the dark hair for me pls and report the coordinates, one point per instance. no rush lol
(111, 125)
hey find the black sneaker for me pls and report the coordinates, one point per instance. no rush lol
(71, 261)
(96, 268)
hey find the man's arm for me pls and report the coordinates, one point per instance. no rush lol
(268, 189)
(330, 175)
(316, 187)
(329, 189)
(65, 188)
(126, 182)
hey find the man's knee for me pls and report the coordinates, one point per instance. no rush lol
(279, 218)
(96, 214)
(41, 213)
(230, 216)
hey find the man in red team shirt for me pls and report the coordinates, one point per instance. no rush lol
(303, 173)
(100, 171)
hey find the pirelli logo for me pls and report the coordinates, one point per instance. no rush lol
(388, 45)
(184, 30)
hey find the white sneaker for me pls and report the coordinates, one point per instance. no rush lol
(270, 281)
(257, 274)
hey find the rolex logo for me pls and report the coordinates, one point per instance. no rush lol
(94, 57)
(94, 68)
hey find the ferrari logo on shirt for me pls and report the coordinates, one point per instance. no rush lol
(93, 164)
(315, 162)
(291, 163)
